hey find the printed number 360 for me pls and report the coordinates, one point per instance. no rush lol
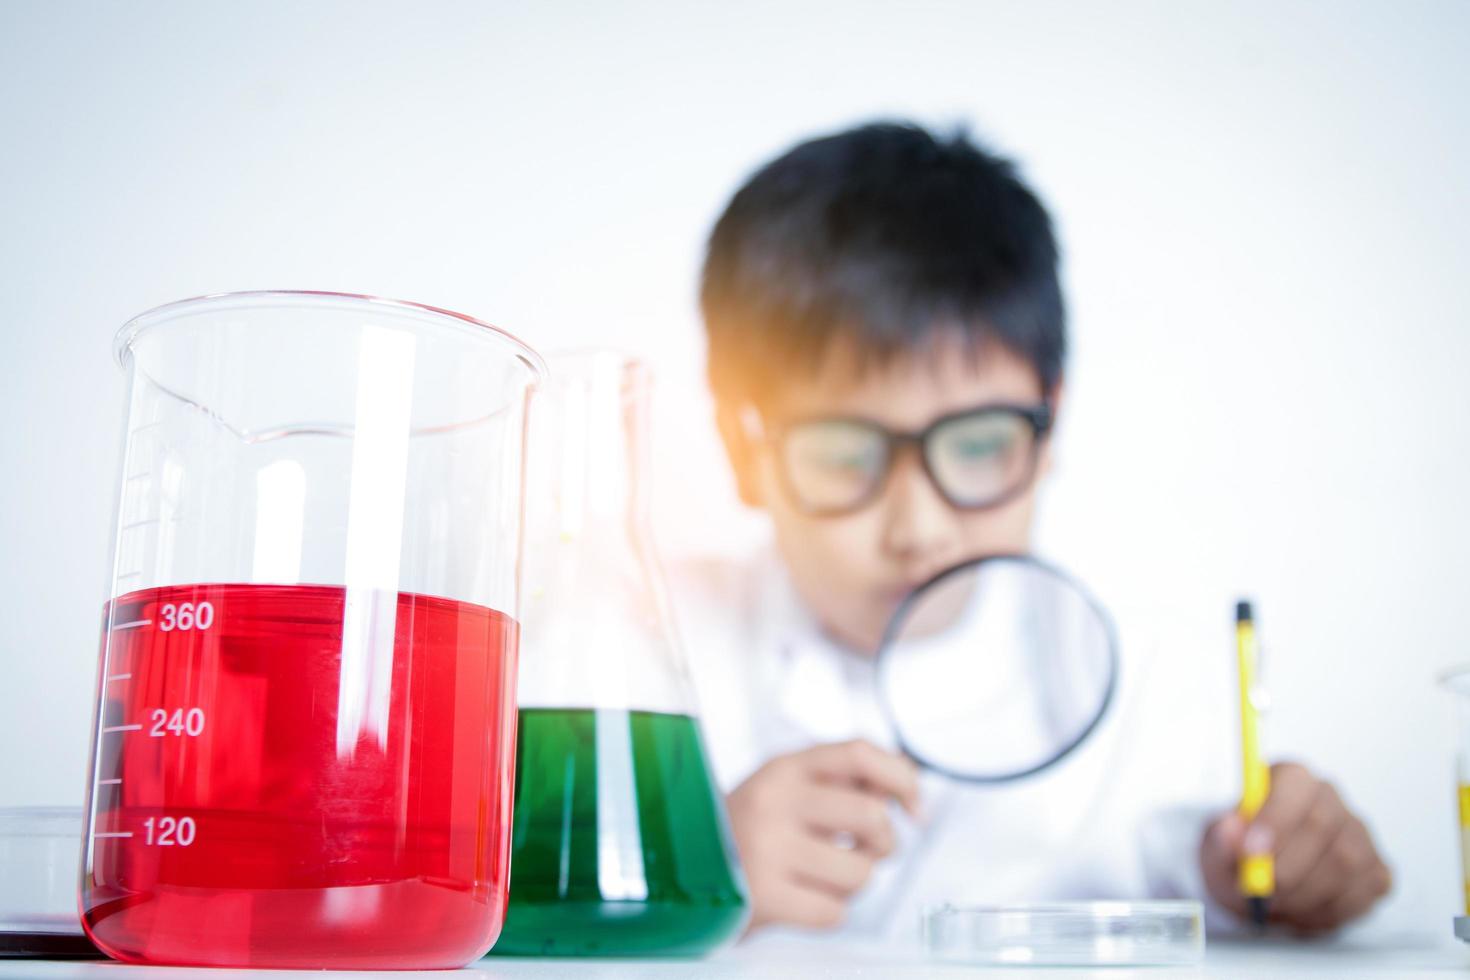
(185, 616)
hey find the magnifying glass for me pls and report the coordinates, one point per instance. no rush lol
(997, 669)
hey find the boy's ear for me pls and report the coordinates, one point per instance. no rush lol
(742, 451)
(1053, 399)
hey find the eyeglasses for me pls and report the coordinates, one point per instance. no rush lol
(977, 458)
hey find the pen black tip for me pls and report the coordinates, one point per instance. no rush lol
(1258, 909)
(1243, 613)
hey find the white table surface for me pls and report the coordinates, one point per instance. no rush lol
(1386, 958)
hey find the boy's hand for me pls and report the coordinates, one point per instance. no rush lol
(811, 825)
(1327, 870)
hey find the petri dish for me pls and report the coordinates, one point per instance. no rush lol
(1153, 933)
(40, 854)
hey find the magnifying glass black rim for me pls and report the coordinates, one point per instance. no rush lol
(900, 615)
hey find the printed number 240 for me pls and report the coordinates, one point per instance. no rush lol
(177, 722)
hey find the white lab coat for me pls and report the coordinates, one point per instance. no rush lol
(1120, 818)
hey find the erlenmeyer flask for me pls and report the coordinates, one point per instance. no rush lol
(619, 844)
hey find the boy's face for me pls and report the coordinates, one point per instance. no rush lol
(851, 570)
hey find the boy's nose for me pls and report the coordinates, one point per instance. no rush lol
(919, 527)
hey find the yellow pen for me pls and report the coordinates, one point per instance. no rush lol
(1257, 871)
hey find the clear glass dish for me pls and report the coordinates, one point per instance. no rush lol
(40, 854)
(1154, 933)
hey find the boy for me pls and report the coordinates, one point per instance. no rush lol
(886, 275)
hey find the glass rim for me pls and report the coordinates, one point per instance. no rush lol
(40, 821)
(149, 319)
(1093, 908)
(579, 362)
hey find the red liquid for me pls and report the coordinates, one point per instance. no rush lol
(265, 834)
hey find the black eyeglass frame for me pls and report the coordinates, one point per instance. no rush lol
(1039, 417)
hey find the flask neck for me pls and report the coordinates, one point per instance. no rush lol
(591, 432)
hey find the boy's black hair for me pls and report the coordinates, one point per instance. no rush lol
(889, 236)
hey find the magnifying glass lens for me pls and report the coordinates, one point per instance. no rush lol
(997, 669)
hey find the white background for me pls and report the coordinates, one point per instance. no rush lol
(1265, 209)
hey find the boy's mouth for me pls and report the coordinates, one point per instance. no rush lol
(891, 596)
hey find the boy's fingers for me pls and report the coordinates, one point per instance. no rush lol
(1223, 842)
(1307, 858)
(789, 902)
(1293, 792)
(1218, 850)
(1349, 864)
(1221, 847)
(1350, 903)
(830, 809)
(1337, 862)
(836, 870)
(863, 762)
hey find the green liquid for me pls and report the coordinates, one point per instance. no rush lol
(619, 846)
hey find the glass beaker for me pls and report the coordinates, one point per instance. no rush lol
(303, 751)
(1457, 682)
(621, 845)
